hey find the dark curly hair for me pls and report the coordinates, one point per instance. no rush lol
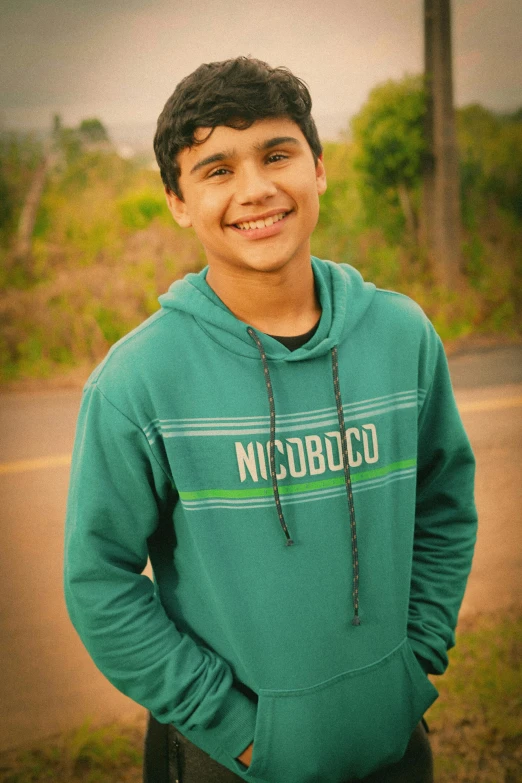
(234, 93)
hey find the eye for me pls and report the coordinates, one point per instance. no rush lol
(218, 172)
(276, 156)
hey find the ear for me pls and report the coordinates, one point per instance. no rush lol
(178, 209)
(320, 175)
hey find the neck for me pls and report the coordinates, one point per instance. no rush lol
(281, 302)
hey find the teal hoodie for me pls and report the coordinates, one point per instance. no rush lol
(210, 447)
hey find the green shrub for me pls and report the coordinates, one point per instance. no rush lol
(137, 210)
(111, 324)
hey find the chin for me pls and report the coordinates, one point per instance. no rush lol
(269, 263)
(268, 267)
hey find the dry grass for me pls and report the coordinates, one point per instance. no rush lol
(79, 312)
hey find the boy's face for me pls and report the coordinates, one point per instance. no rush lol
(236, 178)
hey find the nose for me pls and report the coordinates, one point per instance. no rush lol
(254, 185)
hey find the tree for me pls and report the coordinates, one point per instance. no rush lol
(20, 156)
(63, 146)
(22, 250)
(93, 131)
(6, 203)
(441, 185)
(389, 133)
(490, 148)
(22, 254)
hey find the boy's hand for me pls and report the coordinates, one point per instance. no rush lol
(246, 757)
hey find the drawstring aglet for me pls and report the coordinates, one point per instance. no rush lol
(356, 620)
(289, 542)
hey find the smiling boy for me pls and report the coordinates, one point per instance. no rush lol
(251, 196)
(282, 440)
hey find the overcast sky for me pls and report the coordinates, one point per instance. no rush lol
(119, 60)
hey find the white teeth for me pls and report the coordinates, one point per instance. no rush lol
(269, 221)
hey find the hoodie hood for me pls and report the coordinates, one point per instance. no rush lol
(343, 295)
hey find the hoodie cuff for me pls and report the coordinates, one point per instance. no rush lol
(425, 657)
(232, 730)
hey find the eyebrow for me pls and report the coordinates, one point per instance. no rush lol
(275, 142)
(227, 154)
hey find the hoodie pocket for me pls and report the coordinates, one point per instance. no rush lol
(343, 728)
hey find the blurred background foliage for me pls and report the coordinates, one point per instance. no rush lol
(104, 246)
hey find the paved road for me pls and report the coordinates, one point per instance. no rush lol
(48, 682)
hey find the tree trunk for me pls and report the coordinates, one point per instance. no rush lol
(407, 208)
(441, 185)
(22, 250)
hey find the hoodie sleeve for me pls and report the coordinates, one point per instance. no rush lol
(117, 495)
(446, 520)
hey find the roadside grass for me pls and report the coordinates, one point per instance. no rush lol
(475, 726)
(90, 754)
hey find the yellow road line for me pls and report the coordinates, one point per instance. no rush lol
(62, 460)
(491, 405)
(23, 465)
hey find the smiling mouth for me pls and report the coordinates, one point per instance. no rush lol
(264, 223)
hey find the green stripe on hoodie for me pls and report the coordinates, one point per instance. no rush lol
(291, 489)
(242, 638)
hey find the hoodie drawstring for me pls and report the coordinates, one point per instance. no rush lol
(348, 483)
(346, 465)
(271, 456)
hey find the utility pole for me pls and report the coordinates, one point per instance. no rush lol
(441, 183)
